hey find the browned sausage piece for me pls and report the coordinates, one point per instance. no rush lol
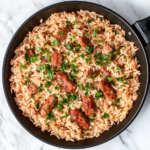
(106, 88)
(36, 112)
(62, 34)
(104, 71)
(30, 53)
(83, 41)
(89, 73)
(64, 82)
(33, 88)
(80, 119)
(88, 105)
(56, 59)
(89, 17)
(48, 105)
(20, 92)
(106, 49)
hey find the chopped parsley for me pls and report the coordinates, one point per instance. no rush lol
(50, 116)
(104, 56)
(74, 69)
(98, 94)
(80, 86)
(95, 32)
(37, 37)
(86, 94)
(131, 77)
(33, 59)
(21, 66)
(88, 60)
(50, 74)
(47, 67)
(100, 41)
(55, 42)
(81, 136)
(56, 88)
(40, 50)
(89, 21)
(120, 79)
(71, 78)
(65, 116)
(39, 88)
(105, 115)
(40, 68)
(88, 86)
(64, 67)
(124, 57)
(75, 22)
(48, 55)
(91, 119)
(61, 33)
(88, 49)
(36, 105)
(118, 67)
(126, 83)
(110, 80)
(124, 47)
(71, 40)
(70, 47)
(48, 107)
(47, 84)
(67, 22)
(118, 100)
(73, 97)
(82, 55)
(60, 105)
(94, 75)
(88, 34)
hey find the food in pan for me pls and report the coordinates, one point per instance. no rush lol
(75, 75)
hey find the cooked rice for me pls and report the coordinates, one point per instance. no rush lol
(127, 90)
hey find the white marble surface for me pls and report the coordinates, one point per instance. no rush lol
(12, 135)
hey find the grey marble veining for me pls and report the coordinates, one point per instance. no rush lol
(12, 135)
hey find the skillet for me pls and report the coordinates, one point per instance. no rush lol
(139, 33)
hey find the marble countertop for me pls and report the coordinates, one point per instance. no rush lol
(12, 135)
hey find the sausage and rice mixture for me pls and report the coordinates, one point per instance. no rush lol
(75, 75)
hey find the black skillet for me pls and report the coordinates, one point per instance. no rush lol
(139, 33)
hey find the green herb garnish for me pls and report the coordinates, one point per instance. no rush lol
(67, 22)
(40, 50)
(55, 42)
(82, 55)
(95, 32)
(89, 21)
(65, 116)
(40, 68)
(88, 49)
(37, 37)
(61, 33)
(105, 115)
(98, 94)
(75, 22)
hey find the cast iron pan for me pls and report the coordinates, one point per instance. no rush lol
(136, 37)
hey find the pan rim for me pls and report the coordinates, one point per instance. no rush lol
(52, 6)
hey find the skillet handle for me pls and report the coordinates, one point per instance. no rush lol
(143, 27)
